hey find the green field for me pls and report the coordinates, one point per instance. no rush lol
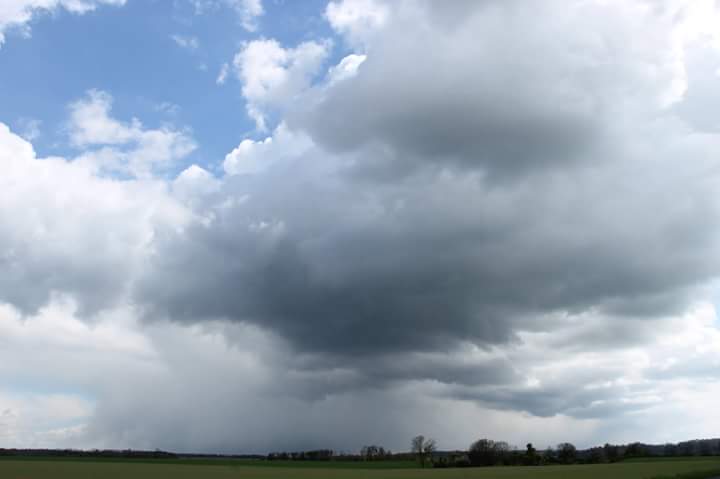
(91, 469)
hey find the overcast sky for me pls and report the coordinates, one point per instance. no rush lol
(255, 225)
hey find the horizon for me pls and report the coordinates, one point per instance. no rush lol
(261, 225)
(344, 453)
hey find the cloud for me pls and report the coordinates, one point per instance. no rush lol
(18, 13)
(444, 202)
(223, 74)
(33, 420)
(407, 252)
(499, 211)
(194, 182)
(287, 405)
(65, 230)
(347, 68)
(256, 156)
(168, 108)
(273, 76)
(91, 124)
(30, 128)
(122, 147)
(187, 42)
(357, 20)
(447, 94)
(249, 11)
(168, 362)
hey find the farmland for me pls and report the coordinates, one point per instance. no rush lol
(91, 469)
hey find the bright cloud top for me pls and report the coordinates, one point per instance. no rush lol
(123, 147)
(273, 77)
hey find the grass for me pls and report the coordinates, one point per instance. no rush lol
(674, 459)
(699, 474)
(224, 462)
(45, 468)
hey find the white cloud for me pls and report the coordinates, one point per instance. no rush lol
(202, 6)
(357, 20)
(168, 108)
(222, 74)
(41, 420)
(18, 13)
(29, 128)
(70, 245)
(53, 366)
(91, 124)
(123, 147)
(347, 68)
(272, 76)
(187, 42)
(65, 230)
(247, 157)
(249, 11)
(194, 182)
(252, 156)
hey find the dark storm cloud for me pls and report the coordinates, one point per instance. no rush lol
(467, 185)
(340, 268)
(505, 224)
(603, 214)
(621, 234)
(568, 399)
(342, 373)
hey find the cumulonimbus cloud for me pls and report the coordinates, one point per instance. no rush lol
(494, 203)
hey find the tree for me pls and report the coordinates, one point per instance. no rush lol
(567, 453)
(423, 448)
(549, 455)
(670, 449)
(531, 456)
(611, 452)
(635, 449)
(371, 453)
(486, 452)
(705, 448)
(597, 455)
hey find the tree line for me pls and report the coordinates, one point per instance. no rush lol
(488, 452)
(101, 453)
(482, 452)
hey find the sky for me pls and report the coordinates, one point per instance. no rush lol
(244, 226)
